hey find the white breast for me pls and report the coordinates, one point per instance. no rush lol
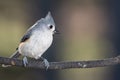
(38, 43)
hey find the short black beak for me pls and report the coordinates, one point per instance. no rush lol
(56, 32)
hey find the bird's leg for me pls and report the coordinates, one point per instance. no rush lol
(45, 62)
(25, 61)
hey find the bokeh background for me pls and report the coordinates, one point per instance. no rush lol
(90, 29)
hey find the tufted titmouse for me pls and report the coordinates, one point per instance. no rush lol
(37, 40)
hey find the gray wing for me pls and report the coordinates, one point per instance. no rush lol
(26, 36)
(30, 30)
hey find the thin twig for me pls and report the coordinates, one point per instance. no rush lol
(62, 65)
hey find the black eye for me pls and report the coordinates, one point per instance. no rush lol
(50, 26)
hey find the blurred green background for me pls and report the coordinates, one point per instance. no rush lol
(89, 30)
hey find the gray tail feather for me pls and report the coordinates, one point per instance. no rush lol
(15, 55)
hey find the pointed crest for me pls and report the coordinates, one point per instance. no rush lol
(49, 18)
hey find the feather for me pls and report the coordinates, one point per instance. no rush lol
(26, 36)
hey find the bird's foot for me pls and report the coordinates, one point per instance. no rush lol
(25, 61)
(45, 62)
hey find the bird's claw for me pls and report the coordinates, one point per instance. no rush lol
(46, 63)
(25, 61)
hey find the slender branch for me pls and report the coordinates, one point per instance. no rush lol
(62, 65)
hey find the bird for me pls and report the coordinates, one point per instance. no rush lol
(37, 39)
